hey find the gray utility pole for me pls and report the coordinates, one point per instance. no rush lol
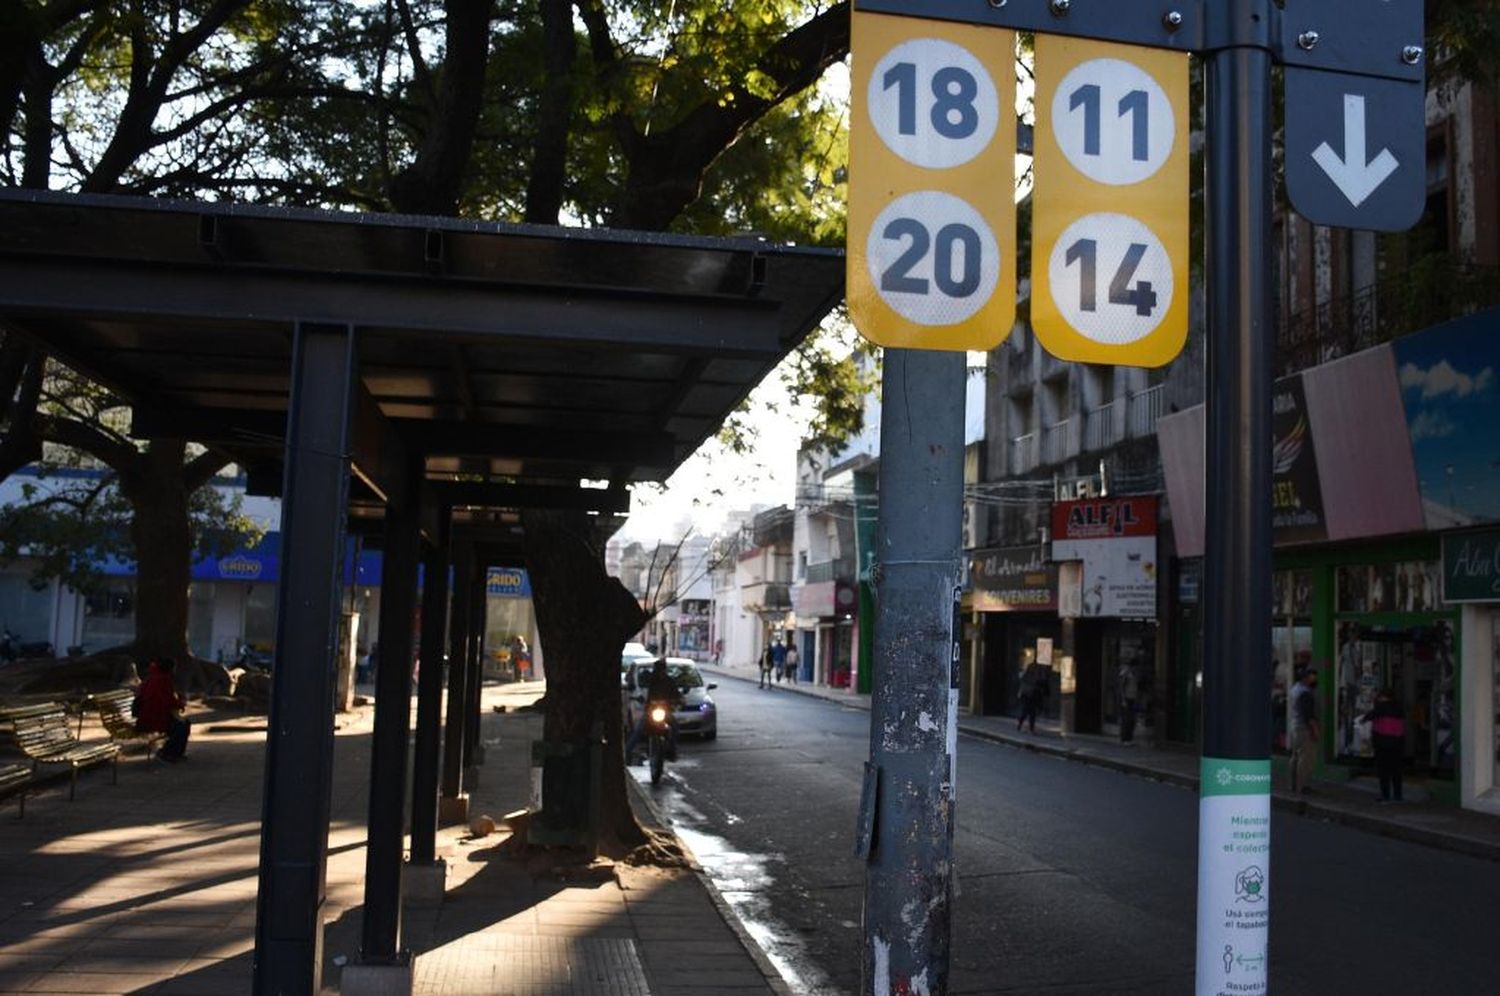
(907, 812)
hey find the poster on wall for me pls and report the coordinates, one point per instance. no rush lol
(1114, 541)
(1452, 401)
(1296, 497)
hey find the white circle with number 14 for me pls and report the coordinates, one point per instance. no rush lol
(932, 103)
(1113, 121)
(1110, 278)
(932, 258)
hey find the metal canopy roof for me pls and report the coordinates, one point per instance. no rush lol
(537, 354)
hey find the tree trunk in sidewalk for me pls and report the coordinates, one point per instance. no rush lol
(162, 535)
(584, 617)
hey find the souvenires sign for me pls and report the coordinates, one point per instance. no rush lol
(1013, 579)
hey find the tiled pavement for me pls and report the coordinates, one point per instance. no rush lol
(1352, 804)
(149, 886)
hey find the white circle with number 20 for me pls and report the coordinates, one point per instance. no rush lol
(932, 258)
(1113, 121)
(1110, 278)
(933, 103)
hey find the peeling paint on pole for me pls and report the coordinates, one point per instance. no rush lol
(913, 724)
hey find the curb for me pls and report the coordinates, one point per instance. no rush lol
(1312, 809)
(763, 964)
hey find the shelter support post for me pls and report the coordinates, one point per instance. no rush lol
(380, 940)
(907, 812)
(425, 764)
(473, 742)
(453, 807)
(299, 746)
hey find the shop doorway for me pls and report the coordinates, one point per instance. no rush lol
(1416, 663)
(1133, 646)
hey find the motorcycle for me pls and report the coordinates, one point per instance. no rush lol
(12, 648)
(659, 734)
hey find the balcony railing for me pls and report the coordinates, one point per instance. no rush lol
(1101, 429)
(1433, 290)
(1143, 409)
(1023, 453)
(1060, 441)
(841, 569)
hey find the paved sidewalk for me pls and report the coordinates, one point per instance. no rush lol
(1353, 804)
(149, 886)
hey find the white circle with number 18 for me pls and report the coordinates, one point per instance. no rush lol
(1113, 121)
(1111, 278)
(932, 103)
(932, 258)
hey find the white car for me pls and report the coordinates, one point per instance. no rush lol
(697, 715)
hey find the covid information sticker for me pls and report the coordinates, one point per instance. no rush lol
(1234, 876)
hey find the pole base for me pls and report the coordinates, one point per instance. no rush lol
(453, 810)
(378, 980)
(424, 885)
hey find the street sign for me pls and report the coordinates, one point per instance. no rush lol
(1355, 150)
(932, 215)
(1109, 251)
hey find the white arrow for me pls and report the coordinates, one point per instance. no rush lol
(1354, 175)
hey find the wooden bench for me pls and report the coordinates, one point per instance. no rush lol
(114, 714)
(15, 776)
(44, 734)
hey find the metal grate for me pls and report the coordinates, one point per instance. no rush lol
(497, 964)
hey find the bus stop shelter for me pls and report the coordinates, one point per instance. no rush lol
(421, 379)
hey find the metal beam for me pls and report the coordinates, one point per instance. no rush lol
(380, 939)
(428, 751)
(458, 671)
(450, 308)
(299, 748)
(613, 500)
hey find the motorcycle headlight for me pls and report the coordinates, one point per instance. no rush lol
(706, 707)
(658, 714)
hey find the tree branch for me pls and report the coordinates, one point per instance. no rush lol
(123, 459)
(204, 467)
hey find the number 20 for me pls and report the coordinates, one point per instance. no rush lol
(944, 246)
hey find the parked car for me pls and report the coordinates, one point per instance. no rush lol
(697, 715)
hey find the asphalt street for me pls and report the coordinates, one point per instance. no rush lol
(1071, 879)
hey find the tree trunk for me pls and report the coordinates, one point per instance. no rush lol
(584, 617)
(162, 535)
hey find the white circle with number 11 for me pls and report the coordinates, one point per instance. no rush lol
(932, 103)
(1113, 121)
(932, 258)
(1111, 278)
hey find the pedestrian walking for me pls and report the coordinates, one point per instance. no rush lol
(1129, 688)
(765, 668)
(791, 663)
(778, 658)
(1388, 731)
(1305, 730)
(1035, 683)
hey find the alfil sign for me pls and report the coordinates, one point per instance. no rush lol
(1114, 542)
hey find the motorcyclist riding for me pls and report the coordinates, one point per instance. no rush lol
(660, 687)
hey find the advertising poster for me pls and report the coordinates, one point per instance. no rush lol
(1296, 498)
(1234, 873)
(1114, 539)
(1452, 401)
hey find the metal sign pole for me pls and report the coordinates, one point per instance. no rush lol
(907, 811)
(1235, 801)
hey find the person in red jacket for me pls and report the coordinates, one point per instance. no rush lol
(158, 709)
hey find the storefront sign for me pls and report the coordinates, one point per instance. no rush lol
(1234, 880)
(1471, 567)
(1114, 539)
(1296, 497)
(507, 582)
(1013, 579)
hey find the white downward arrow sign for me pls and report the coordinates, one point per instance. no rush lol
(1353, 174)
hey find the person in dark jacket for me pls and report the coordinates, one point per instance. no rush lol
(158, 709)
(659, 687)
(1388, 733)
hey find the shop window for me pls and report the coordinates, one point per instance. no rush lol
(1406, 587)
(201, 619)
(1416, 662)
(24, 610)
(109, 615)
(260, 617)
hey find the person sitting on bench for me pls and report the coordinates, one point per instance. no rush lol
(158, 709)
